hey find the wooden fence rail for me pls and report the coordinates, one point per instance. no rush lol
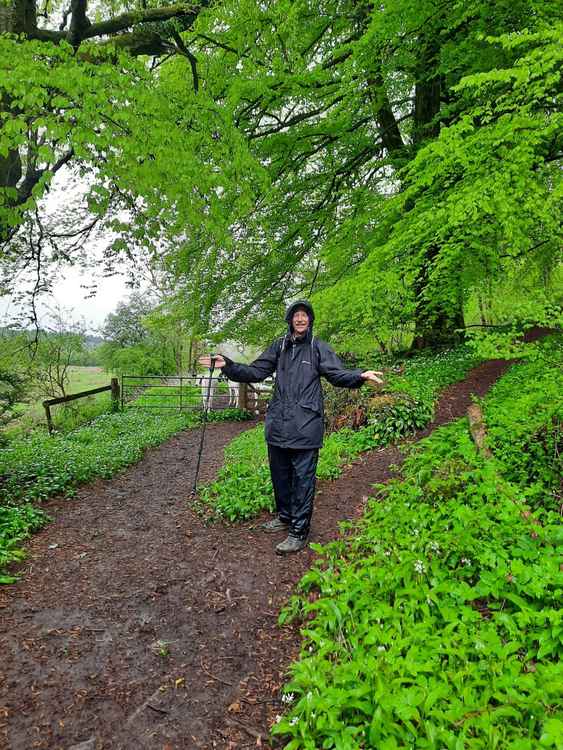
(113, 387)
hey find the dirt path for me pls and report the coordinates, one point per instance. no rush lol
(135, 626)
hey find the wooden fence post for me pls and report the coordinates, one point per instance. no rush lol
(114, 394)
(243, 396)
(50, 425)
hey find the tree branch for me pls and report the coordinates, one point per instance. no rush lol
(186, 52)
(122, 22)
(79, 22)
(34, 175)
(297, 119)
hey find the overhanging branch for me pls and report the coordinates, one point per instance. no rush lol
(81, 29)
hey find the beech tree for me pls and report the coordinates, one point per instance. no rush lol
(390, 160)
(109, 94)
(399, 139)
(54, 119)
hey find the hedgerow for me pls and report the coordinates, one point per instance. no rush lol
(436, 622)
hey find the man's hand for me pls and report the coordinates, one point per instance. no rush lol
(372, 376)
(206, 361)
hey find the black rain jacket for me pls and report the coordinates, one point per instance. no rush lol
(295, 416)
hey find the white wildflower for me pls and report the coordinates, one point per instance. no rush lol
(294, 721)
(465, 561)
(435, 547)
(381, 648)
(288, 698)
(419, 567)
(278, 718)
(416, 531)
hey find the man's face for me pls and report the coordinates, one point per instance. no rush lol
(300, 322)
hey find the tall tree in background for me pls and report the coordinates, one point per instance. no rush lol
(133, 344)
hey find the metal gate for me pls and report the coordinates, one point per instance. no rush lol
(190, 393)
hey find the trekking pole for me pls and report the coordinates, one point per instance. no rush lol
(211, 368)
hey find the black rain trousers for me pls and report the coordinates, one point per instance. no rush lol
(293, 473)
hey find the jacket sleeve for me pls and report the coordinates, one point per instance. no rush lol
(331, 368)
(256, 371)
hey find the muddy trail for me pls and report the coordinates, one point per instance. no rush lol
(137, 626)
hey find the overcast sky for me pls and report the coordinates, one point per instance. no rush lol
(68, 293)
(73, 288)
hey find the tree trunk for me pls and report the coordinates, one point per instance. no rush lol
(437, 324)
(12, 21)
(436, 328)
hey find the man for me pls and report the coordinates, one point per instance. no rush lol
(294, 420)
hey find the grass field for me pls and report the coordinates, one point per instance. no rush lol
(81, 379)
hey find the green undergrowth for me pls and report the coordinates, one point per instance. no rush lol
(16, 524)
(243, 487)
(435, 622)
(66, 417)
(39, 466)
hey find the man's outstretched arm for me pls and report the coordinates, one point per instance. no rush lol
(262, 367)
(331, 367)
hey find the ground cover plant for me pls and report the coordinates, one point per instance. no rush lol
(16, 525)
(243, 487)
(435, 622)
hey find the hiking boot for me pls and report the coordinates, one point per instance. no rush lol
(276, 524)
(292, 544)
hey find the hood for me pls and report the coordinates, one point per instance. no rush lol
(292, 308)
